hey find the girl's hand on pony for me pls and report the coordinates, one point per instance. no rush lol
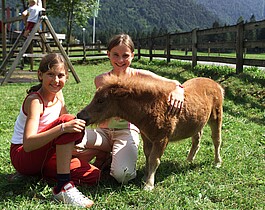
(176, 99)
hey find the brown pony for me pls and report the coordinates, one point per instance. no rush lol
(144, 103)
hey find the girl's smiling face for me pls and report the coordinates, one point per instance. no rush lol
(120, 57)
(54, 79)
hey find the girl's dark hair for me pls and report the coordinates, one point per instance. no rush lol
(48, 62)
(121, 39)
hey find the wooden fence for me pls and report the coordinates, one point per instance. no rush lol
(237, 39)
(75, 52)
(196, 45)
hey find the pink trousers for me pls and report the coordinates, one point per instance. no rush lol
(43, 160)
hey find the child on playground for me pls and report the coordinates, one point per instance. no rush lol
(32, 14)
(44, 136)
(116, 139)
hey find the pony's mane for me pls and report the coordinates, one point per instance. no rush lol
(138, 83)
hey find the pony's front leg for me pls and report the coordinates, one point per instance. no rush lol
(147, 147)
(158, 148)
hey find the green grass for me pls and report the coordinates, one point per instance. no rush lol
(238, 184)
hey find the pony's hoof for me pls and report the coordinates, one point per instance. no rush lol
(148, 188)
(218, 165)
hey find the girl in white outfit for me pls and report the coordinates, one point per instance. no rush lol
(117, 139)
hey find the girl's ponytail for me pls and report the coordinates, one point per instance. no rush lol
(34, 88)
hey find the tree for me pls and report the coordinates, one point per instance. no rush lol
(252, 18)
(73, 11)
(240, 19)
(251, 34)
(216, 24)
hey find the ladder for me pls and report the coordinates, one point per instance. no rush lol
(45, 21)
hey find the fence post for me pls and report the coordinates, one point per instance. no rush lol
(194, 47)
(4, 30)
(240, 47)
(99, 44)
(139, 49)
(151, 48)
(84, 51)
(168, 47)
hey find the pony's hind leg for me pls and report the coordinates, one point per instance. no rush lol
(216, 126)
(195, 146)
(216, 137)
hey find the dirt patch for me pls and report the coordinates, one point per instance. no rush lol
(22, 76)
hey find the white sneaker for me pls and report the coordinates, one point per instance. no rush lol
(71, 195)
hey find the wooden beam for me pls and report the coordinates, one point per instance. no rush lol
(13, 19)
(4, 29)
(57, 42)
(31, 55)
(240, 48)
(194, 47)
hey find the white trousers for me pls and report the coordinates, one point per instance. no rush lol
(123, 146)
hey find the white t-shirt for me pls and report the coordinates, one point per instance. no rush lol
(34, 12)
(50, 114)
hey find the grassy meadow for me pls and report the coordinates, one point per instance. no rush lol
(238, 184)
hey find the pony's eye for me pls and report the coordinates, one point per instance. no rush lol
(100, 100)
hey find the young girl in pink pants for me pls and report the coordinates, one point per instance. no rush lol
(45, 135)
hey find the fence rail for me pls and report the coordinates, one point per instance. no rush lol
(237, 39)
(75, 51)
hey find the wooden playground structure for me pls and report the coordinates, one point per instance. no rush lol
(21, 45)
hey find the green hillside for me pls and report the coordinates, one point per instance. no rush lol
(140, 18)
(230, 10)
(144, 15)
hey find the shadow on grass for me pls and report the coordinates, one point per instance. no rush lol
(9, 189)
(166, 169)
(94, 61)
(31, 187)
